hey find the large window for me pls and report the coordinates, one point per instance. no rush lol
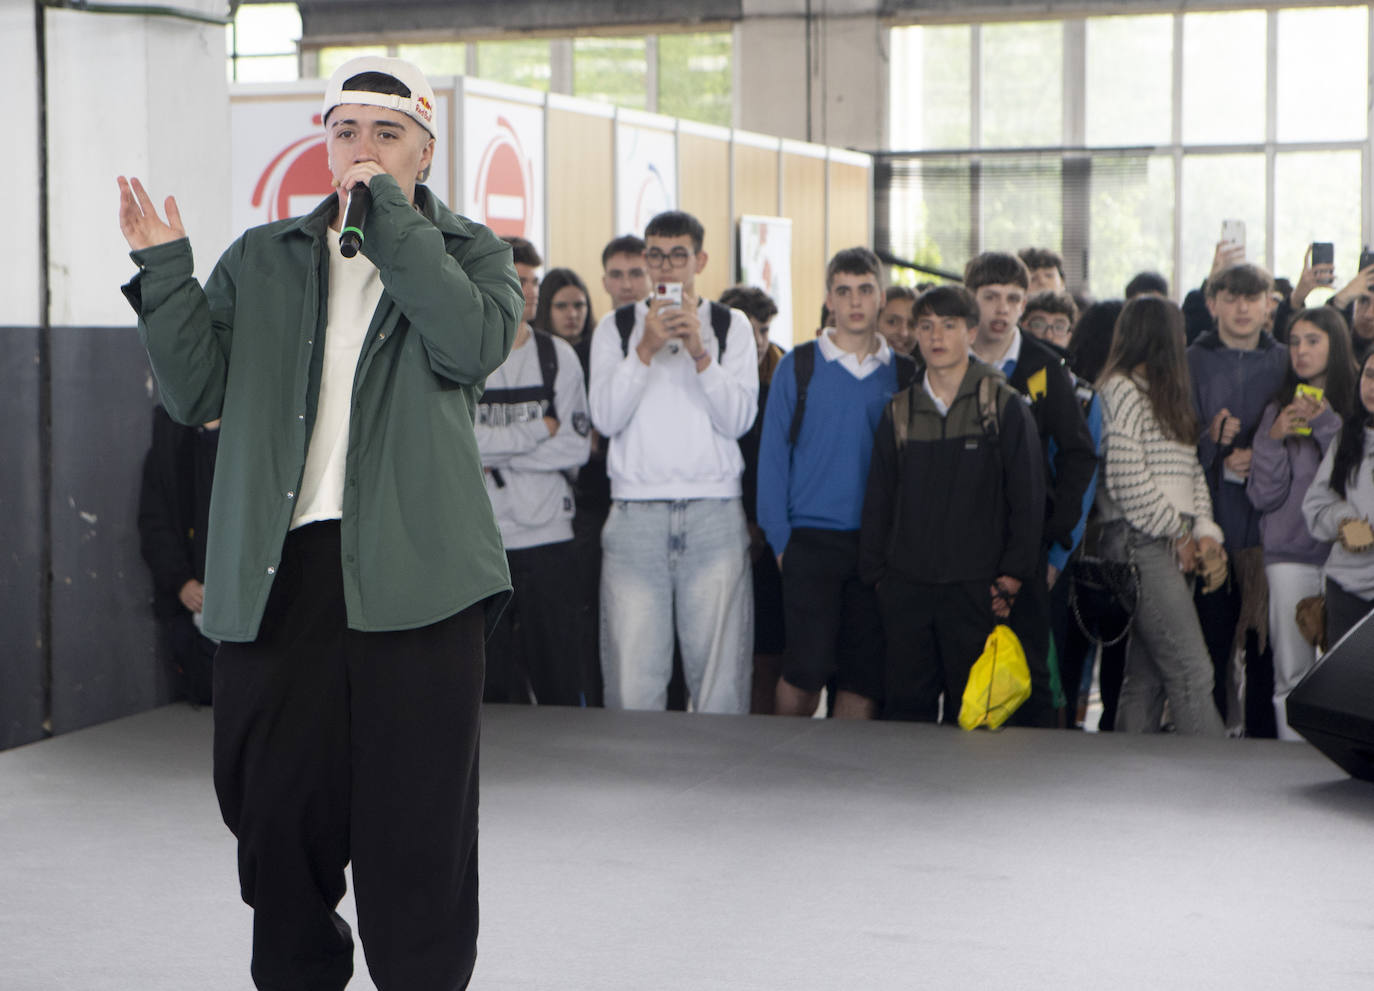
(1125, 141)
(612, 70)
(688, 74)
(695, 79)
(262, 42)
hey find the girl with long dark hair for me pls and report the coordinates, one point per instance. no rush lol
(1158, 514)
(565, 308)
(1294, 433)
(1338, 507)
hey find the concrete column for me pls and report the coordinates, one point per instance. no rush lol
(145, 96)
(821, 78)
(19, 303)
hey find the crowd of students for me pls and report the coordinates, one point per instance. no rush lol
(694, 517)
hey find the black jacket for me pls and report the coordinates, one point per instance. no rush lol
(174, 508)
(958, 503)
(1042, 377)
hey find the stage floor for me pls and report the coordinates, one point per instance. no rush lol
(655, 851)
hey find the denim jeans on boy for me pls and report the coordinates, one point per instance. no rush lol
(683, 563)
(1167, 657)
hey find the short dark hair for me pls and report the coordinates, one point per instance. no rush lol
(626, 244)
(1244, 279)
(1147, 282)
(947, 301)
(995, 268)
(854, 261)
(373, 82)
(1053, 302)
(752, 300)
(1034, 258)
(523, 253)
(676, 223)
(902, 292)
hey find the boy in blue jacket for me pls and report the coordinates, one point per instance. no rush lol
(826, 400)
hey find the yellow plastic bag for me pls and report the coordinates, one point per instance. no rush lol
(998, 682)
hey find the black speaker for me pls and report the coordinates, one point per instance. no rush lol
(1333, 707)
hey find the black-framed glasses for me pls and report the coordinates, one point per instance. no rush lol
(678, 256)
(1039, 325)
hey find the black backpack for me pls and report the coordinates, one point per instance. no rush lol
(804, 366)
(720, 323)
(548, 373)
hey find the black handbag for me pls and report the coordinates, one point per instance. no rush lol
(1103, 596)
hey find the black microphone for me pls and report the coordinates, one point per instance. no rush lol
(351, 239)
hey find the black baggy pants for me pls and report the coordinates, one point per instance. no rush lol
(334, 745)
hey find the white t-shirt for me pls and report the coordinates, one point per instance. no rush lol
(355, 288)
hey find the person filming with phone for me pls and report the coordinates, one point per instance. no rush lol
(674, 384)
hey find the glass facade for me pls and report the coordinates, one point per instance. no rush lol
(1181, 121)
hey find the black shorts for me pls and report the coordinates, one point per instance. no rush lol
(834, 627)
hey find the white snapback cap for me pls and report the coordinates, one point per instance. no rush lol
(419, 105)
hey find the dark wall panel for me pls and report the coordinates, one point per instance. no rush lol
(21, 543)
(105, 652)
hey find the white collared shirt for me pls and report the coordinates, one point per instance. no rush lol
(1010, 357)
(940, 404)
(859, 367)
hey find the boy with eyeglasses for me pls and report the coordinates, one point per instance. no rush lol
(673, 387)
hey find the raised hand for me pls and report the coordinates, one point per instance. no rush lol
(138, 219)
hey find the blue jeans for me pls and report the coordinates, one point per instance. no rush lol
(687, 561)
(1166, 657)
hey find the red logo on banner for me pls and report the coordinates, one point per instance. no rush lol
(301, 169)
(504, 197)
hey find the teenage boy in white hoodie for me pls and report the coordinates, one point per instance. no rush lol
(673, 389)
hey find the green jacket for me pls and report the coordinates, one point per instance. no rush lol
(420, 542)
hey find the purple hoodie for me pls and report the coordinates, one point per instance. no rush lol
(1280, 473)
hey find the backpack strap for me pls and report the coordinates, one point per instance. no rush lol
(901, 419)
(625, 324)
(990, 405)
(803, 367)
(548, 366)
(720, 323)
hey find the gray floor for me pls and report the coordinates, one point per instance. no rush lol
(663, 851)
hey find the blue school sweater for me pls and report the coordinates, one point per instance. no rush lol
(820, 483)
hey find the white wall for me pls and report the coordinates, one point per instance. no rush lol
(144, 96)
(19, 250)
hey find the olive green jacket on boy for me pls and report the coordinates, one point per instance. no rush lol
(419, 539)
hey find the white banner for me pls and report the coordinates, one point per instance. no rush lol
(765, 261)
(279, 164)
(646, 176)
(503, 170)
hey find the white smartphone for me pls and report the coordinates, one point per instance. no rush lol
(1233, 233)
(671, 291)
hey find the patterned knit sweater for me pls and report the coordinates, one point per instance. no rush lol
(1151, 480)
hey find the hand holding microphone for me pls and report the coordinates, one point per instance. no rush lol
(354, 199)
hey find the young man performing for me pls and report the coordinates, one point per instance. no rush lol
(952, 513)
(812, 475)
(354, 563)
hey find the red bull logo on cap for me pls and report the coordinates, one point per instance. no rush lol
(424, 108)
